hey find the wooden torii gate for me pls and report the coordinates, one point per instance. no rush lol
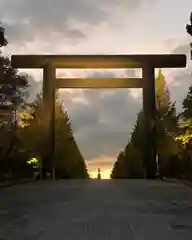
(148, 63)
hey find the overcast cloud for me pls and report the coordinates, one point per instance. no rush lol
(27, 20)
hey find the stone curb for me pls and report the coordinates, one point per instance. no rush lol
(186, 183)
(10, 184)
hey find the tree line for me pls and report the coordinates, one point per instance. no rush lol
(173, 137)
(22, 148)
(173, 142)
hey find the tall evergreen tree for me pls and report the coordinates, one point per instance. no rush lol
(12, 86)
(162, 91)
(118, 170)
(69, 161)
(166, 121)
(187, 105)
(186, 120)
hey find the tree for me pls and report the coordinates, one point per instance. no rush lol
(134, 164)
(137, 134)
(187, 105)
(118, 170)
(184, 138)
(166, 125)
(12, 84)
(69, 161)
(12, 87)
(162, 91)
(186, 120)
(3, 40)
(129, 163)
(189, 26)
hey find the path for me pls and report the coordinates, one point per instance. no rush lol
(96, 210)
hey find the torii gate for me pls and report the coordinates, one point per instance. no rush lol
(148, 63)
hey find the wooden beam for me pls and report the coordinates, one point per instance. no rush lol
(49, 113)
(99, 83)
(149, 110)
(98, 61)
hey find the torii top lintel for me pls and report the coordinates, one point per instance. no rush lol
(100, 61)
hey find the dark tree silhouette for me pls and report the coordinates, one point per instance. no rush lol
(187, 104)
(11, 96)
(189, 26)
(3, 40)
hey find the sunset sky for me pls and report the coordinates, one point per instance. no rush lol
(102, 119)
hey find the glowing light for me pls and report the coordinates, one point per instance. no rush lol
(105, 174)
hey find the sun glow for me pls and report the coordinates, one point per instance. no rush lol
(105, 174)
(104, 163)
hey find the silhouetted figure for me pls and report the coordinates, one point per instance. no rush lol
(99, 174)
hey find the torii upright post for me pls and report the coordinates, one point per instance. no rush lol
(149, 114)
(49, 76)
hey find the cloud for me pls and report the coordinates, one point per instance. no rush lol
(27, 20)
(181, 79)
(33, 89)
(180, 86)
(102, 162)
(103, 122)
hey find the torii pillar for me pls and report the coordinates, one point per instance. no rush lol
(149, 114)
(49, 77)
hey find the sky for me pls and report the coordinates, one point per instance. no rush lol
(102, 119)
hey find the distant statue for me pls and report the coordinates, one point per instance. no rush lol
(99, 174)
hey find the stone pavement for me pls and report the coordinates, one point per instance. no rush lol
(96, 210)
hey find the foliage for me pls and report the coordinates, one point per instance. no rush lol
(3, 40)
(189, 26)
(187, 105)
(186, 120)
(184, 137)
(129, 164)
(69, 161)
(34, 162)
(167, 127)
(12, 86)
(186, 132)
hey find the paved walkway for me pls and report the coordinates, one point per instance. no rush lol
(96, 210)
(15, 182)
